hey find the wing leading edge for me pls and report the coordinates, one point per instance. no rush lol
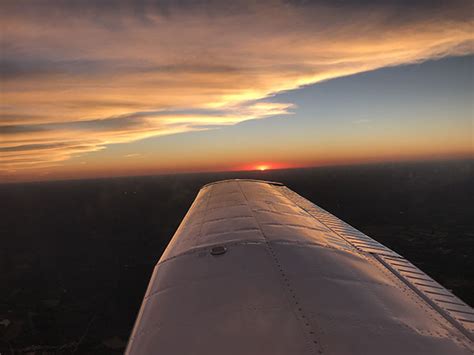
(254, 268)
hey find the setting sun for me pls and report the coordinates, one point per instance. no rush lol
(262, 167)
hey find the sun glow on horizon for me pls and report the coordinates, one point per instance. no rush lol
(261, 166)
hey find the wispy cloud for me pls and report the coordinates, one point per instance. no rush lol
(133, 155)
(361, 121)
(77, 77)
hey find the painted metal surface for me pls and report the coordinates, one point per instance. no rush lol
(254, 268)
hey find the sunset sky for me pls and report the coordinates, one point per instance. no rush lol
(104, 88)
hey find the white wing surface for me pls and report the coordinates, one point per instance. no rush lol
(256, 269)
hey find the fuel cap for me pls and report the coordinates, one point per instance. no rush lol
(218, 250)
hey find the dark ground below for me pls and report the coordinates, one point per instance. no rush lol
(76, 256)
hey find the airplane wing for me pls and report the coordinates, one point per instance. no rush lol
(256, 269)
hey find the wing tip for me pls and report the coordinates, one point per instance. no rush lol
(275, 183)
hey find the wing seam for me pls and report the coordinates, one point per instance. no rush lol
(309, 331)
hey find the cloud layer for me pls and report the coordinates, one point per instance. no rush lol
(77, 76)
